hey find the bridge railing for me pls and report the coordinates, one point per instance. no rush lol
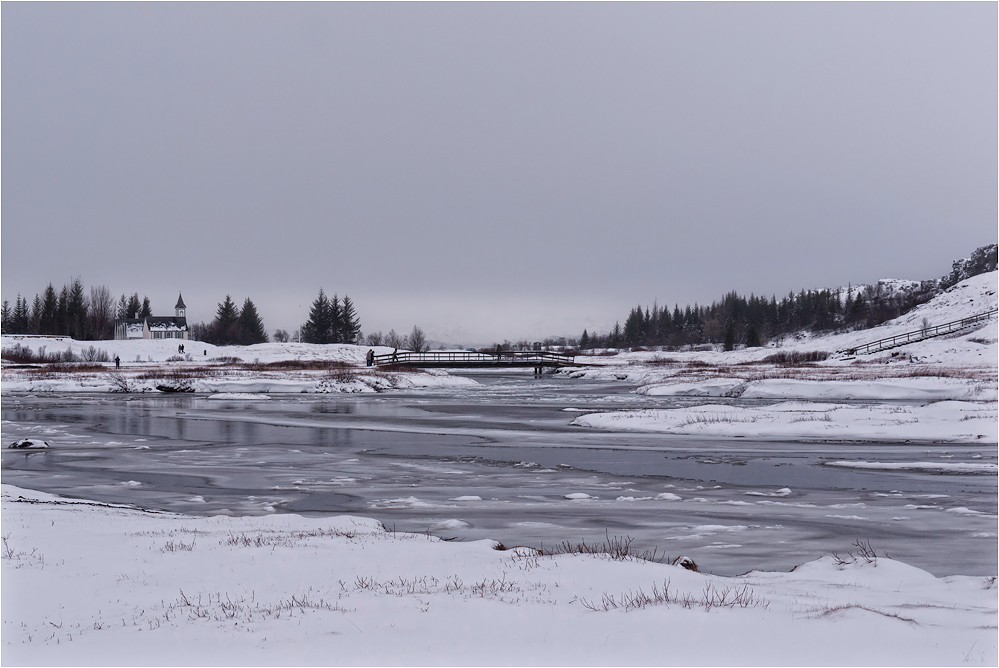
(459, 357)
(919, 334)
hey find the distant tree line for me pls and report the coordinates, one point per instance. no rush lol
(416, 340)
(331, 321)
(73, 311)
(752, 321)
(232, 326)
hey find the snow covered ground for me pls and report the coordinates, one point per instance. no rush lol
(89, 583)
(945, 421)
(957, 371)
(149, 364)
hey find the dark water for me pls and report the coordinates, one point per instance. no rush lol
(416, 462)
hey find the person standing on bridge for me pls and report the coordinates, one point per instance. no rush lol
(370, 357)
(395, 355)
(499, 352)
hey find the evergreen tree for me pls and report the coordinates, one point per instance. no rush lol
(251, 327)
(336, 320)
(730, 337)
(76, 310)
(224, 330)
(146, 309)
(319, 327)
(584, 341)
(350, 325)
(20, 317)
(134, 306)
(633, 327)
(121, 312)
(5, 318)
(60, 323)
(50, 311)
(753, 338)
(36, 316)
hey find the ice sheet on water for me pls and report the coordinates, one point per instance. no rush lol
(929, 467)
(783, 491)
(239, 395)
(406, 502)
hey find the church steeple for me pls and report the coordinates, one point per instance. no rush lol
(180, 309)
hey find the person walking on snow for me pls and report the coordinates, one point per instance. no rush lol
(117, 363)
(370, 357)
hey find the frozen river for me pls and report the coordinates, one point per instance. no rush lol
(499, 462)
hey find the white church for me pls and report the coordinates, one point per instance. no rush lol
(155, 326)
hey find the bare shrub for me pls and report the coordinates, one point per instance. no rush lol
(225, 608)
(713, 418)
(711, 597)
(864, 551)
(618, 548)
(76, 367)
(226, 359)
(283, 365)
(341, 372)
(659, 360)
(18, 353)
(23, 355)
(173, 381)
(119, 383)
(984, 342)
(179, 546)
(796, 358)
(94, 354)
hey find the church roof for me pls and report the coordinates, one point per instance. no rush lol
(157, 322)
(180, 301)
(166, 323)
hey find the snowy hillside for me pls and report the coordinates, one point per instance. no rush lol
(969, 297)
(949, 380)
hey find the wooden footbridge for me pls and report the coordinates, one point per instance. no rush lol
(470, 360)
(921, 334)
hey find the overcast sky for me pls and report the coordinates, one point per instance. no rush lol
(492, 171)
